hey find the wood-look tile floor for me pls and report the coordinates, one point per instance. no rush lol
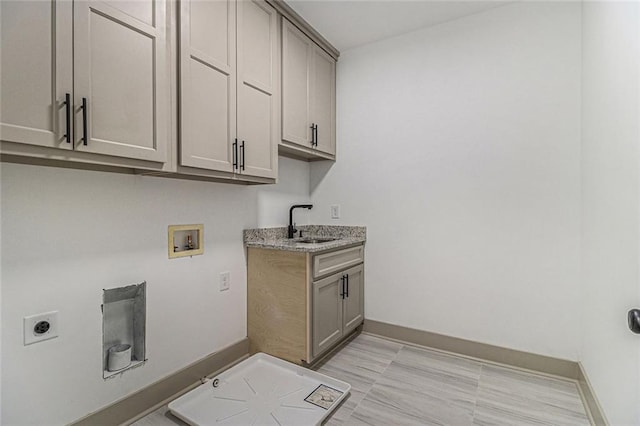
(396, 384)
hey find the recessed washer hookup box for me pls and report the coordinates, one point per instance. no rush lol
(262, 390)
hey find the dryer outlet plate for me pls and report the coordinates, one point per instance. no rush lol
(40, 327)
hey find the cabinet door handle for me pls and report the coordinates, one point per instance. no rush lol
(316, 136)
(85, 114)
(342, 290)
(313, 134)
(347, 277)
(67, 103)
(242, 156)
(633, 318)
(235, 154)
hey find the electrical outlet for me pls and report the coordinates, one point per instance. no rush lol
(335, 211)
(225, 281)
(40, 327)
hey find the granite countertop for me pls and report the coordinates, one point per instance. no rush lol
(276, 238)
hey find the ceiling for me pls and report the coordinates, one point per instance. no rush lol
(350, 23)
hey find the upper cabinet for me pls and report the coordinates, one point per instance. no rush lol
(86, 77)
(229, 87)
(308, 96)
(189, 88)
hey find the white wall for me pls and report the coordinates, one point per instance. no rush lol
(69, 234)
(610, 198)
(459, 148)
(292, 188)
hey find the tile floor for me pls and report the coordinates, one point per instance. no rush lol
(396, 384)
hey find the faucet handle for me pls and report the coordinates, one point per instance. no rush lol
(301, 233)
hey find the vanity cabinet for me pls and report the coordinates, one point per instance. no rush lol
(229, 87)
(83, 78)
(308, 96)
(302, 304)
(338, 307)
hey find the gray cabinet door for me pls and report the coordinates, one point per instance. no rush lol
(121, 69)
(208, 84)
(296, 62)
(323, 100)
(327, 312)
(258, 88)
(36, 62)
(354, 299)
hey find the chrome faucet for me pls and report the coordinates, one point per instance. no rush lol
(291, 230)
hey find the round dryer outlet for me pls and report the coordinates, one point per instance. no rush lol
(40, 327)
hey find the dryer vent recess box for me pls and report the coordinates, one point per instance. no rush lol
(124, 312)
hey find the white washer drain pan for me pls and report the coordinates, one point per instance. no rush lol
(262, 390)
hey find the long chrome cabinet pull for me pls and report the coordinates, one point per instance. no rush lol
(242, 156)
(67, 103)
(235, 154)
(84, 121)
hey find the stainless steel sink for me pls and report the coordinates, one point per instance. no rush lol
(316, 240)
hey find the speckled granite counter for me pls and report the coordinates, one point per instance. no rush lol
(276, 238)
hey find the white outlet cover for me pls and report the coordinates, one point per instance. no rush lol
(335, 211)
(30, 323)
(225, 281)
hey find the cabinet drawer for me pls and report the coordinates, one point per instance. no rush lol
(334, 261)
